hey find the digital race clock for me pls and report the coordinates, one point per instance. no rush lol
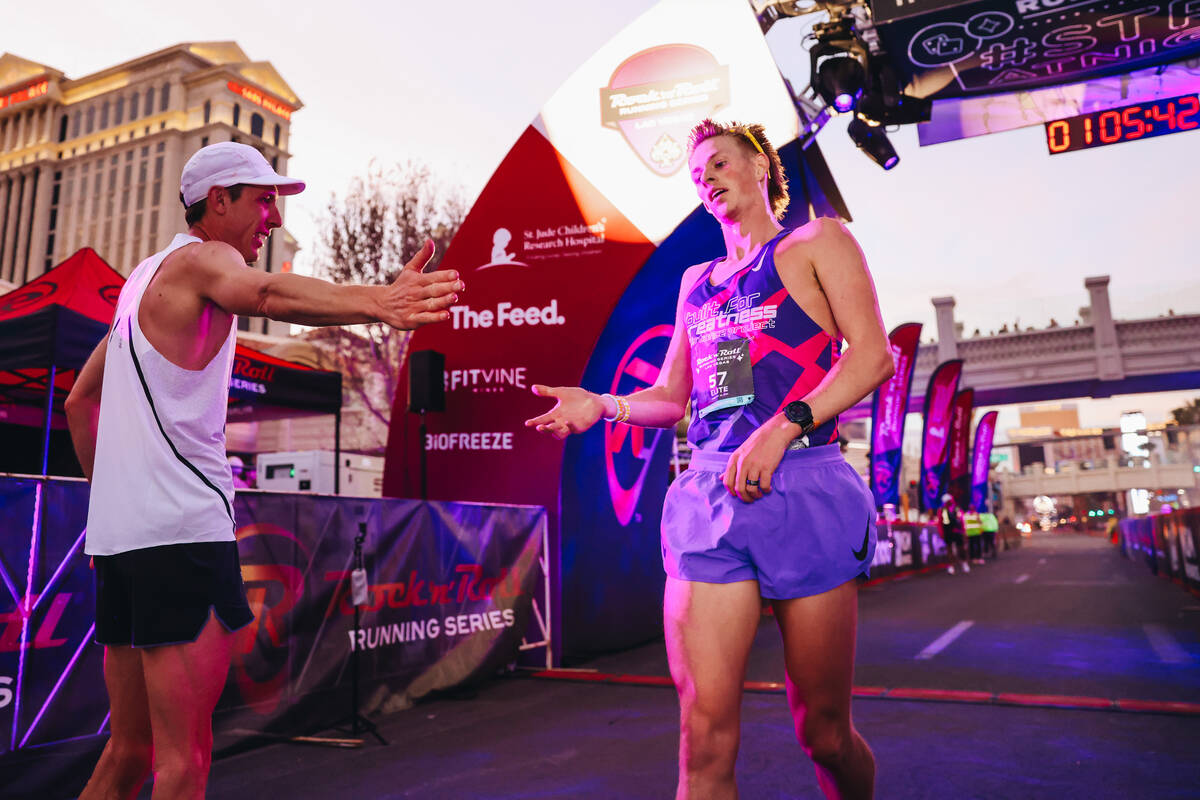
(1142, 121)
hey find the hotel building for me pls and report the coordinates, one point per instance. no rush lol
(95, 161)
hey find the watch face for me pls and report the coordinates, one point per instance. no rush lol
(798, 412)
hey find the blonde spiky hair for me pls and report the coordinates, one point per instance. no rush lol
(753, 137)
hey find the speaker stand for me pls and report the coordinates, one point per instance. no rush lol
(424, 473)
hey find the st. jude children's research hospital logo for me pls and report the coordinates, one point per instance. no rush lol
(655, 97)
(542, 243)
(501, 240)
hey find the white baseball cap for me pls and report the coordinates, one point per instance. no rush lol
(947, 498)
(228, 164)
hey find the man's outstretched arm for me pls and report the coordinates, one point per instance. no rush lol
(415, 298)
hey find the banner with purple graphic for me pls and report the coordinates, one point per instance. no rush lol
(454, 590)
(958, 477)
(939, 406)
(888, 411)
(981, 460)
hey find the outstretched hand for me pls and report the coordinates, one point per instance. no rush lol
(575, 411)
(418, 298)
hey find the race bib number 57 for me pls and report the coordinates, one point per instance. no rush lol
(725, 377)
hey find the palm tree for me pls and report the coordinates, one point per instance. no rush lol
(1188, 414)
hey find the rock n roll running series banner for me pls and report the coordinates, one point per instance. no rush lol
(938, 416)
(572, 256)
(889, 409)
(981, 460)
(958, 477)
(452, 589)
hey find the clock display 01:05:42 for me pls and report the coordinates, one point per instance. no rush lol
(1141, 121)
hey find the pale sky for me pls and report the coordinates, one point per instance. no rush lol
(1008, 230)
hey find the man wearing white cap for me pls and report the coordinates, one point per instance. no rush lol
(169, 592)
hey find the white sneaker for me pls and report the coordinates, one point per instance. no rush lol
(966, 567)
(950, 569)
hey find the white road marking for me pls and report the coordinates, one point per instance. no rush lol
(1022, 578)
(1041, 561)
(1165, 645)
(942, 642)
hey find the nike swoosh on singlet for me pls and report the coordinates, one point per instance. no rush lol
(861, 553)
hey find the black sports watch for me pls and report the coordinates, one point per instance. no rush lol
(798, 412)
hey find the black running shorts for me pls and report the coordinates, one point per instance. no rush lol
(164, 595)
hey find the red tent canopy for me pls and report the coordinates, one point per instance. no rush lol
(49, 327)
(84, 283)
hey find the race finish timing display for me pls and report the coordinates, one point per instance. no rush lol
(1141, 121)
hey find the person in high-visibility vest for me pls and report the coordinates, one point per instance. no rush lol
(951, 524)
(991, 526)
(973, 527)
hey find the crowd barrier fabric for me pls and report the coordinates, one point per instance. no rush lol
(453, 589)
(906, 547)
(1167, 543)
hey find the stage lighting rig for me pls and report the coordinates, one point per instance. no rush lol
(838, 63)
(873, 141)
(771, 11)
(884, 102)
(849, 72)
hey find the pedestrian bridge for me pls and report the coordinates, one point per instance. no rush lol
(1098, 358)
(1097, 478)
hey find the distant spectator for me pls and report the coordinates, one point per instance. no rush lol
(990, 526)
(951, 524)
(973, 527)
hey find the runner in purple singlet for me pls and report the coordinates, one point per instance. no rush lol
(768, 507)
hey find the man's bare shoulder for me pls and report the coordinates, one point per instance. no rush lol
(817, 232)
(822, 243)
(199, 262)
(691, 275)
(211, 254)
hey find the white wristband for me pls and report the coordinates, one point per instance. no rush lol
(616, 405)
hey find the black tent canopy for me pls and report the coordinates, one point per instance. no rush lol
(49, 327)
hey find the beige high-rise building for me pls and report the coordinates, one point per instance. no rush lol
(95, 161)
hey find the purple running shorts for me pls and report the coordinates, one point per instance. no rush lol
(813, 532)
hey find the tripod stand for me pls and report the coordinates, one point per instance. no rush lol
(357, 723)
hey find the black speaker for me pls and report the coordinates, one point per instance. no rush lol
(426, 384)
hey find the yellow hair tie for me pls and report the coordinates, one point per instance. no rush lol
(753, 141)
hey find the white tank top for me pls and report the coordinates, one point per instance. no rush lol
(161, 475)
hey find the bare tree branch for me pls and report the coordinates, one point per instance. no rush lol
(366, 236)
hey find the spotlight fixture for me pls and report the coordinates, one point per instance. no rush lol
(883, 101)
(840, 80)
(837, 64)
(872, 140)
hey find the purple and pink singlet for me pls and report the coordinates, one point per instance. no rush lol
(753, 351)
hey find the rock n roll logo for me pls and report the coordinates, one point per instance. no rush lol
(655, 97)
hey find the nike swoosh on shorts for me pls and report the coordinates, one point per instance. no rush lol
(861, 553)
